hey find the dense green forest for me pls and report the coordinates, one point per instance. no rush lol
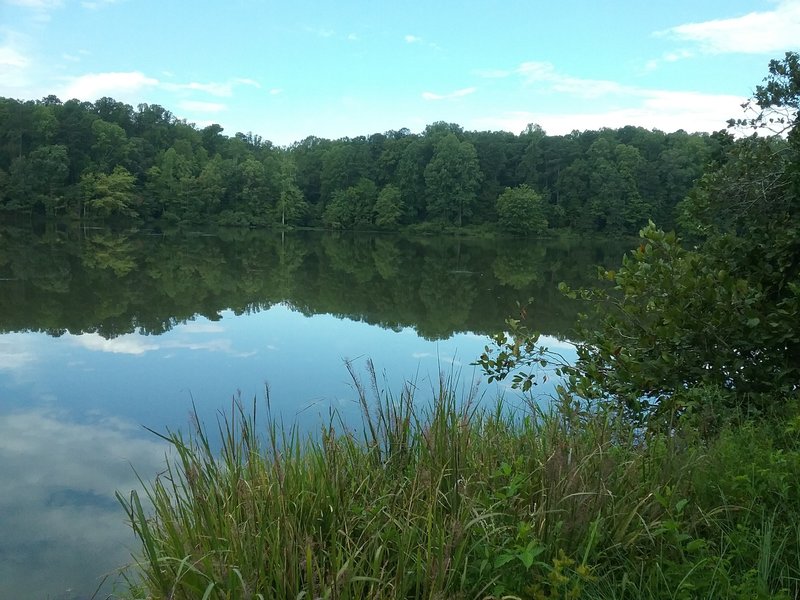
(107, 160)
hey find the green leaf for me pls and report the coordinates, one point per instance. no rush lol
(502, 560)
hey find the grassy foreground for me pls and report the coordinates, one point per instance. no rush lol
(456, 501)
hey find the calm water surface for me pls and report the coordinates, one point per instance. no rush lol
(103, 334)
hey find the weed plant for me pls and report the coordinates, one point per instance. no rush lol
(458, 499)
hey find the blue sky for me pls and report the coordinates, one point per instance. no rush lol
(286, 70)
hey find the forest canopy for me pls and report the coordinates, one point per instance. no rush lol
(107, 160)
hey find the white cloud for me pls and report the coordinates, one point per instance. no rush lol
(198, 106)
(97, 4)
(667, 110)
(16, 67)
(668, 57)
(275, 91)
(246, 81)
(130, 86)
(553, 343)
(534, 72)
(651, 65)
(10, 57)
(13, 356)
(653, 109)
(136, 345)
(115, 84)
(415, 39)
(754, 33)
(200, 327)
(678, 55)
(124, 344)
(214, 89)
(218, 345)
(221, 90)
(451, 96)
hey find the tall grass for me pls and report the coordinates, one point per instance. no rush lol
(454, 499)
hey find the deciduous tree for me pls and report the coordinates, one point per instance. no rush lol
(452, 177)
(520, 210)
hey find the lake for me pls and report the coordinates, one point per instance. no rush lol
(104, 334)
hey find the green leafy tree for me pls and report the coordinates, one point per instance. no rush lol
(352, 208)
(609, 180)
(614, 204)
(410, 178)
(392, 153)
(499, 153)
(532, 163)
(719, 320)
(254, 197)
(109, 195)
(388, 207)
(212, 184)
(452, 178)
(680, 165)
(344, 163)
(572, 192)
(3, 189)
(38, 182)
(110, 147)
(307, 155)
(43, 122)
(290, 207)
(520, 210)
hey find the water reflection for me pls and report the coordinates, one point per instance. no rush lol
(61, 529)
(73, 407)
(108, 332)
(117, 283)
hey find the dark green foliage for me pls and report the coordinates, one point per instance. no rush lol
(150, 283)
(520, 210)
(388, 207)
(677, 319)
(353, 207)
(290, 208)
(451, 178)
(38, 182)
(709, 332)
(108, 195)
(611, 180)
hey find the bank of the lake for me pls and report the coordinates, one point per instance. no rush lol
(456, 500)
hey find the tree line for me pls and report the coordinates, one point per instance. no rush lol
(108, 160)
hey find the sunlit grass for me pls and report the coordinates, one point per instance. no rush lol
(455, 499)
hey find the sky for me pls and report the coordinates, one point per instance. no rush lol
(286, 70)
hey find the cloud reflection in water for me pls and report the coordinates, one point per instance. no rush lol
(59, 513)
